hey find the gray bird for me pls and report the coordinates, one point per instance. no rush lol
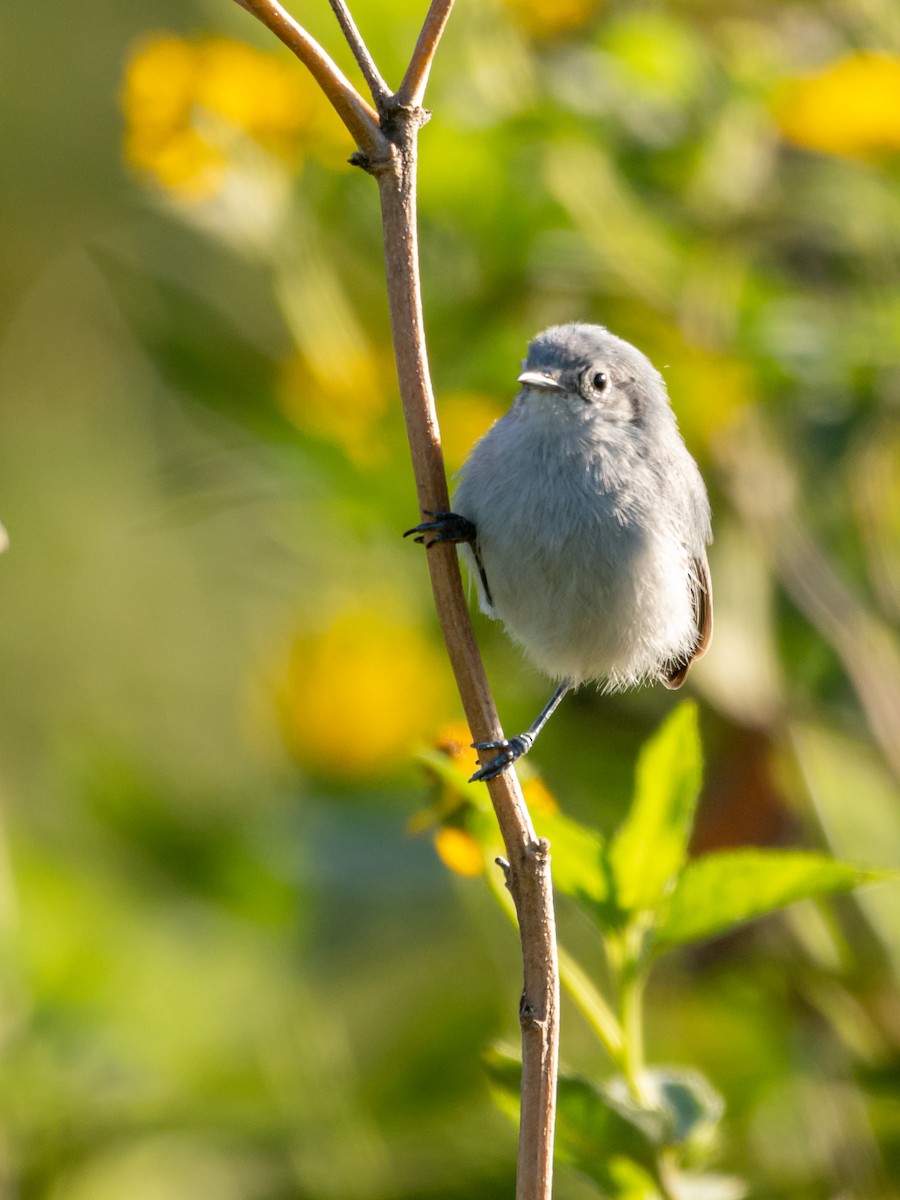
(585, 522)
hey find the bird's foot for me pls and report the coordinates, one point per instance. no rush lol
(444, 527)
(511, 750)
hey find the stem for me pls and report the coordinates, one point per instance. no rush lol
(631, 969)
(379, 89)
(592, 1006)
(627, 958)
(412, 90)
(631, 999)
(529, 860)
(390, 156)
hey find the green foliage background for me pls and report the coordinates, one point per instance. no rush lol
(228, 969)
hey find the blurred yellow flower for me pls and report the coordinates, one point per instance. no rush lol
(465, 417)
(455, 740)
(540, 800)
(547, 18)
(709, 391)
(459, 851)
(467, 834)
(357, 695)
(341, 400)
(189, 102)
(851, 107)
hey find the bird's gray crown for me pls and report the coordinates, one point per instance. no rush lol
(577, 346)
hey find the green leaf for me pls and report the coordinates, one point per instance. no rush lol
(650, 847)
(591, 1134)
(719, 891)
(448, 771)
(678, 1106)
(615, 1139)
(579, 865)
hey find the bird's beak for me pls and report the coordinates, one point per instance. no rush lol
(537, 379)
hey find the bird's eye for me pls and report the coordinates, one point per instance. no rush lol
(600, 381)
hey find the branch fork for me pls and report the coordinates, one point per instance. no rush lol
(385, 136)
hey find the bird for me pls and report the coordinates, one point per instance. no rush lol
(584, 522)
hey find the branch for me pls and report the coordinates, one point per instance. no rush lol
(379, 89)
(412, 90)
(391, 158)
(529, 860)
(359, 117)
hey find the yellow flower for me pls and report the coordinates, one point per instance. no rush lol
(459, 851)
(157, 98)
(547, 18)
(269, 99)
(455, 740)
(341, 401)
(188, 103)
(851, 107)
(540, 800)
(358, 694)
(709, 391)
(467, 834)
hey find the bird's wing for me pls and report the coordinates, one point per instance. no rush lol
(476, 554)
(674, 674)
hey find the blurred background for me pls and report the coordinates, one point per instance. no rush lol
(230, 967)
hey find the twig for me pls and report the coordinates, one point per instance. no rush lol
(390, 155)
(528, 857)
(359, 117)
(379, 89)
(412, 90)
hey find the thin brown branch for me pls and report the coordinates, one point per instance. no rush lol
(529, 860)
(379, 89)
(392, 160)
(359, 117)
(411, 92)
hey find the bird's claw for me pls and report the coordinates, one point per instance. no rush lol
(511, 750)
(444, 527)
